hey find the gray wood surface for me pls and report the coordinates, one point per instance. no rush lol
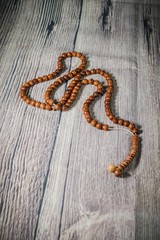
(53, 178)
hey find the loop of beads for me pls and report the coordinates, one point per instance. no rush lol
(70, 95)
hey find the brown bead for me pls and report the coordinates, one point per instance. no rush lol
(61, 58)
(111, 116)
(69, 54)
(57, 107)
(96, 94)
(98, 70)
(45, 78)
(28, 100)
(31, 83)
(102, 72)
(50, 102)
(88, 72)
(26, 84)
(86, 105)
(115, 120)
(58, 70)
(79, 54)
(35, 80)
(48, 107)
(99, 125)
(126, 123)
(42, 105)
(135, 130)
(92, 98)
(89, 119)
(112, 168)
(107, 76)
(131, 125)
(91, 81)
(108, 113)
(33, 102)
(50, 76)
(119, 168)
(66, 77)
(70, 75)
(93, 122)
(37, 104)
(40, 79)
(117, 173)
(93, 71)
(74, 54)
(74, 72)
(64, 55)
(135, 138)
(96, 82)
(54, 74)
(24, 98)
(120, 121)
(105, 127)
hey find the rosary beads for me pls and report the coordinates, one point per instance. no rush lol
(70, 95)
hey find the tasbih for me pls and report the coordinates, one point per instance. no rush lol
(69, 97)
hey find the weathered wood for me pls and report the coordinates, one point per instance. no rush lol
(54, 183)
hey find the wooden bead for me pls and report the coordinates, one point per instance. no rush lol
(120, 121)
(93, 122)
(115, 120)
(126, 123)
(91, 81)
(131, 125)
(69, 54)
(111, 116)
(61, 58)
(93, 71)
(79, 54)
(31, 83)
(105, 127)
(50, 76)
(112, 168)
(26, 84)
(135, 130)
(33, 102)
(88, 72)
(28, 100)
(35, 80)
(119, 168)
(45, 78)
(40, 79)
(48, 107)
(37, 104)
(117, 173)
(99, 125)
(98, 70)
(42, 105)
(64, 55)
(50, 102)
(74, 54)
(96, 94)
(107, 76)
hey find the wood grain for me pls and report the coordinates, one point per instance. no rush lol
(53, 179)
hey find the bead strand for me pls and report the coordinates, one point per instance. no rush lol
(70, 95)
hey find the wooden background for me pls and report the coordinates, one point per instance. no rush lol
(53, 179)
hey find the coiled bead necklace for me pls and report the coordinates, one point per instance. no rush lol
(69, 97)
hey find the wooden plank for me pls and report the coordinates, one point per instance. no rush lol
(54, 183)
(29, 135)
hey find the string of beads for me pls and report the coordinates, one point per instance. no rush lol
(70, 95)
